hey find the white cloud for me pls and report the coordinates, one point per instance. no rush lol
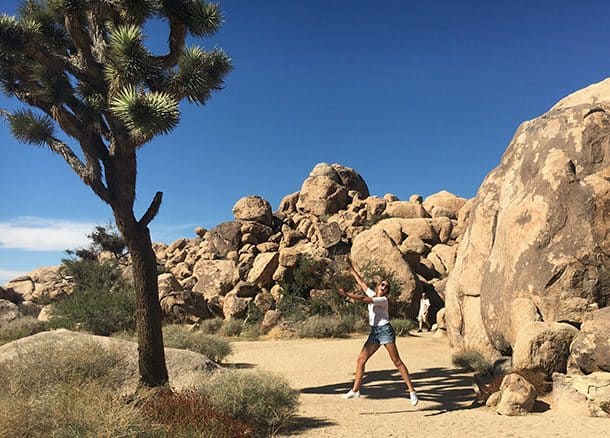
(41, 234)
(7, 274)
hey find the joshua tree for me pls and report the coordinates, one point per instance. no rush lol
(83, 67)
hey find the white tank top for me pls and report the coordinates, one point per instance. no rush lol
(378, 310)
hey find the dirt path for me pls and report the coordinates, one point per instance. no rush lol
(323, 370)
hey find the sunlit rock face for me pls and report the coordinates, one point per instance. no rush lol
(537, 244)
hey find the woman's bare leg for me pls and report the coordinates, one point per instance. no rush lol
(367, 351)
(399, 364)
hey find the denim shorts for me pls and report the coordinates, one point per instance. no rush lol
(384, 334)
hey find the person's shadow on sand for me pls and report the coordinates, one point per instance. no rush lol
(440, 389)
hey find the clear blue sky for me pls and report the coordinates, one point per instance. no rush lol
(416, 96)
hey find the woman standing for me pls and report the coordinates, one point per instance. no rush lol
(382, 333)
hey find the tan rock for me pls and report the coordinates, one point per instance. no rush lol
(215, 277)
(253, 208)
(288, 205)
(23, 286)
(167, 283)
(9, 311)
(404, 209)
(263, 301)
(590, 350)
(581, 395)
(375, 247)
(518, 396)
(320, 196)
(444, 202)
(271, 319)
(539, 224)
(264, 266)
(543, 346)
(234, 306)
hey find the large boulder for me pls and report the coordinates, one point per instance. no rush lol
(264, 266)
(590, 350)
(253, 208)
(376, 248)
(322, 196)
(215, 277)
(538, 227)
(351, 180)
(183, 366)
(446, 202)
(543, 346)
(225, 237)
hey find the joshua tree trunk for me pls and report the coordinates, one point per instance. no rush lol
(151, 356)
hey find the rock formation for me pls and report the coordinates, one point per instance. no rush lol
(241, 262)
(537, 246)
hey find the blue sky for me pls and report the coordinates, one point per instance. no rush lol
(416, 96)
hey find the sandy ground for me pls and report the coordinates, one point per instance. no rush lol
(323, 370)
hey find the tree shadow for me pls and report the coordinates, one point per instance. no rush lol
(300, 424)
(442, 389)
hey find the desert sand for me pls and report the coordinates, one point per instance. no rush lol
(323, 370)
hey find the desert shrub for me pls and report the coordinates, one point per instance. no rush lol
(472, 360)
(211, 326)
(254, 315)
(250, 332)
(191, 414)
(403, 326)
(323, 327)
(20, 328)
(50, 364)
(262, 399)
(102, 302)
(69, 410)
(231, 327)
(308, 274)
(214, 347)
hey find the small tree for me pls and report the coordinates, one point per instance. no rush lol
(83, 66)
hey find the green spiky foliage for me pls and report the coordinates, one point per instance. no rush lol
(83, 67)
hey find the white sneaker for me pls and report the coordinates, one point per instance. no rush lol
(414, 399)
(350, 394)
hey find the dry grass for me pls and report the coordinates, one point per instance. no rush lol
(21, 328)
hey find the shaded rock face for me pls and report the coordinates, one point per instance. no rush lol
(538, 227)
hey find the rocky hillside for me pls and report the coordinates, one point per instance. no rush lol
(219, 272)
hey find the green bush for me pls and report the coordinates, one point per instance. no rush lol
(21, 328)
(472, 360)
(211, 326)
(231, 328)
(213, 347)
(323, 327)
(102, 302)
(403, 326)
(262, 399)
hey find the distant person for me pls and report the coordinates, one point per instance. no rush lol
(424, 312)
(382, 333)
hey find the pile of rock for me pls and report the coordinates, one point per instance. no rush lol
(223, 271)
(245, 261)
